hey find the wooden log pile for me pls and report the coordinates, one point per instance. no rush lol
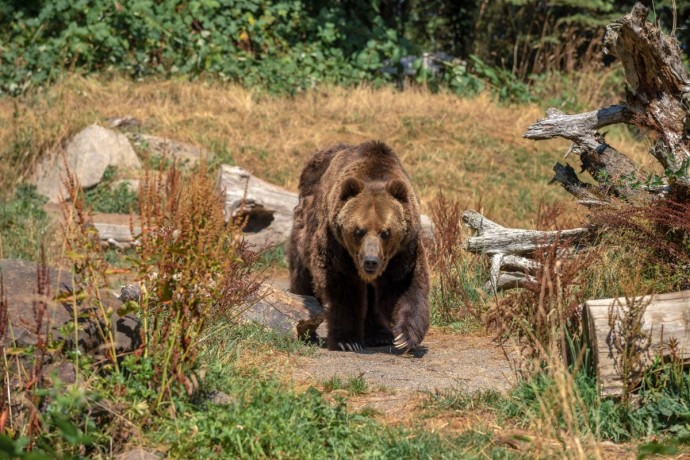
(512, 250)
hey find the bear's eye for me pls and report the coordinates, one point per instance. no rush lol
(359, 233)
(386, 234)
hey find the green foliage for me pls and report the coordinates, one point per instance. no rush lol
(354, 385)
(280, 45)
(506, 85)
(661, 409)
(23, 224)
(273, 257)
(461, 400)
(110, 197)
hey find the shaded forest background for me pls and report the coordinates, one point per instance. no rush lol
(288, 46)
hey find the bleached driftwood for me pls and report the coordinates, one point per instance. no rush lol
(509, 248)
(266, 209)
(656, 100)
(665, 320)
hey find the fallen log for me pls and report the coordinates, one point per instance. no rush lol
(265, 210)
(116, 235)
(662, 327)
(510, 249)
(495, 239)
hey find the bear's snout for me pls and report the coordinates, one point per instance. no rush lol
(370, 258)
(370, 264)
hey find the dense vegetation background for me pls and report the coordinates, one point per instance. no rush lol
(287, 46)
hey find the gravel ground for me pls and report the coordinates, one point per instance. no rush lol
(444, 361)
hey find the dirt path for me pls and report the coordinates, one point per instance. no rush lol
(397, 381)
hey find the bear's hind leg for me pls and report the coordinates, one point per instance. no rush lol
(301, 281)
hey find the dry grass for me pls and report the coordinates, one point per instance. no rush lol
(471, 149)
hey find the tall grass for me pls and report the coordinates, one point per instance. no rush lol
(470, 148)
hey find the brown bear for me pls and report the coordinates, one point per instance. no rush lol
(356, 246)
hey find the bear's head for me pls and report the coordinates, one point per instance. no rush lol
(372, 223)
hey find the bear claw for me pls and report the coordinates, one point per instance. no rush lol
(401, 343)
(349, 346)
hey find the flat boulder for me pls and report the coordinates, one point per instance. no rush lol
(87, 154)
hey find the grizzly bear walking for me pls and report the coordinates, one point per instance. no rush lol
(356, 246)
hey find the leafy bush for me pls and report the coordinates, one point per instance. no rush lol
(282, 45)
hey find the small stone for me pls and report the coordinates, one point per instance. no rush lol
(220, 398)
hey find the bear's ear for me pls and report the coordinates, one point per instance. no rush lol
(398, 190)
(351, 188)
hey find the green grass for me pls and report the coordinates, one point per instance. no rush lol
(24, 224)
(264, 418)
(353, 385)
(273, 257)
(110, 197)
(463, 400)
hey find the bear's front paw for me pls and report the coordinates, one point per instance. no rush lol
(406, 338)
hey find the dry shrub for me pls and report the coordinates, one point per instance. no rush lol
(455, 272)
(194, 268)
(662, 229)
(83, 249)
(544, 315)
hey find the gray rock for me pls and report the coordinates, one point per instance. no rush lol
(20, 283)
(63, 371)
(172, 149)
(87, 154)
(294, 315)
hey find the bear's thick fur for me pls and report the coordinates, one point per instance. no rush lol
(356, 246)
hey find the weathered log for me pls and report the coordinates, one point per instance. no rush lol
(573, 127)
(566, 176)
(507, 246)
(507, 280)
(116, 235)
(478, 222)
(518, 241)
(264, 209)
(604, 163)
(522, 264)
(664, 321)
